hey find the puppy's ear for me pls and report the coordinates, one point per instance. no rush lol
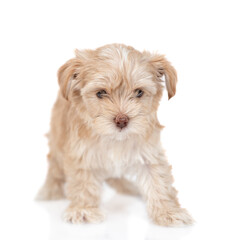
(67, 73)
(163, 67)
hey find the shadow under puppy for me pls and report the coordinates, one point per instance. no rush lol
(104, 127)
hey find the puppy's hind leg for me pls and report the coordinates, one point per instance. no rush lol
(53, 187)
(123, 186)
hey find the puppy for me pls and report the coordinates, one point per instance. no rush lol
(104, 127)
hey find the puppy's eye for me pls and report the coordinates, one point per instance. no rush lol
(101, 93)
(139, 93)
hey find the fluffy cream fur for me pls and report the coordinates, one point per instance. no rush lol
(86, 146)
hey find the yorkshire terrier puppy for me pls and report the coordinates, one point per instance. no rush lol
(104, 127)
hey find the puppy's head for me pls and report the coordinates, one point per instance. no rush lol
(117, 88)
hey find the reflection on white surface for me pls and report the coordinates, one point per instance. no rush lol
(126, 218)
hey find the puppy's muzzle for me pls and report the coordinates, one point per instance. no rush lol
(121, 120)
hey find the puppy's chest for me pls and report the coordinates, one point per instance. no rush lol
(114, 158)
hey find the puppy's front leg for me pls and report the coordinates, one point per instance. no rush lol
(83, 188)
(155, 181)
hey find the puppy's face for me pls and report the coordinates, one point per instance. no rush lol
(118, 88)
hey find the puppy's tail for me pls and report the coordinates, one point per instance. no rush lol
(123, 186)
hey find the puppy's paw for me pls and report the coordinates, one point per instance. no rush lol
(174, 218)
(83, 215)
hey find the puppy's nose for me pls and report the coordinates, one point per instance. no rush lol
(121, 120)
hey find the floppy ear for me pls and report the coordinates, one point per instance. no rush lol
(164, 67)
(66, 74)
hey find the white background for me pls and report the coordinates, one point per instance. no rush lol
(37, 37)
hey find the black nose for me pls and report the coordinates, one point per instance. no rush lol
(121, 120)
